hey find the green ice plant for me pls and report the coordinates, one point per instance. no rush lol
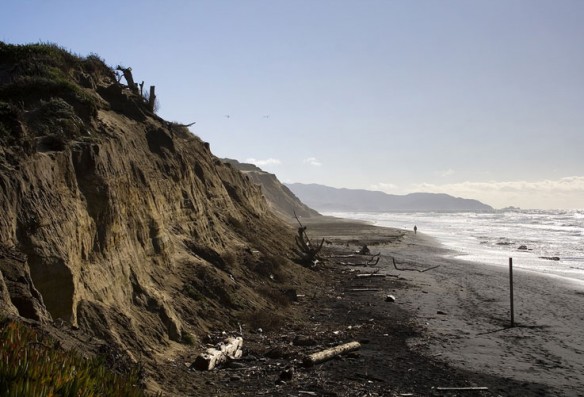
(32, 364)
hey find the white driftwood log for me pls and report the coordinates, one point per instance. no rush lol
(228, 349)
(370, 275)
(321, 356)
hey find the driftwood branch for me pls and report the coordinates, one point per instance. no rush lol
(412, 270)
(307, 251)
(228, 349)
(183, 125)
(324, 355)
(472, 388)
(370, 275)
(374, 260)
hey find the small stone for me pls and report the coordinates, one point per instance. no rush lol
(390, 298)
(300, 340)
(287, 374)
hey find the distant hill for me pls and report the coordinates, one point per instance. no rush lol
(325, 198)
(280, 199)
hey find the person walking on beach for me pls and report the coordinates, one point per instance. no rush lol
(415, 229)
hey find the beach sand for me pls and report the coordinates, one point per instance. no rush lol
(447, 328)
(545, 346)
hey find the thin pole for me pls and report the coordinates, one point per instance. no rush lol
(511, 290)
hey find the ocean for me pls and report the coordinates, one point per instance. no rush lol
(550, 242)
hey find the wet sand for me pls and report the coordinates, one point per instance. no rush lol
(545, 346)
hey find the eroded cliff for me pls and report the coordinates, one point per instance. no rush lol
(121, 223)
(280, 199)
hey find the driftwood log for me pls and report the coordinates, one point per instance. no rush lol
(372, 275)
(324, 355)
(472, 388)
(229, 349)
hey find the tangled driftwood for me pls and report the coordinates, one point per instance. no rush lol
(306, 251)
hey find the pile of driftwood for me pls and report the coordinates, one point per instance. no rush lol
(231, 349)
(357, 259)
(307, 252)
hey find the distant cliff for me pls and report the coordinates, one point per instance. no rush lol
(325, 198)
(281, 200)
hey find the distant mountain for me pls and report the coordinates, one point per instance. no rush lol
(325, 198)
(280, 199)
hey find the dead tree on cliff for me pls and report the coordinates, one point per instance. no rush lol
(127, 72)
(149, 97)
(306, 251)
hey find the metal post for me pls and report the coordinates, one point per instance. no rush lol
(511, 290)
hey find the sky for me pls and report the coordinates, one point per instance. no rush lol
(479, 99)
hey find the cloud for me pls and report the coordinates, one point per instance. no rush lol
(572, 184)
(446, 173)
(384, 187)
(312, 161)
(265, 162)
(544, 194)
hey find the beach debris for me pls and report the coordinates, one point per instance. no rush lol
(363, 289)
(307, 251)
(550, 258)
(229, 349)
(370, 275)
(374, 260)
(390, 298)
(470, 388)
(291, 294)
(287, 374)
(368, 377)
(300, 340)
(412, 270)
(327, 354)
(364, 250)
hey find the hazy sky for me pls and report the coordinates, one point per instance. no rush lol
(478, 99)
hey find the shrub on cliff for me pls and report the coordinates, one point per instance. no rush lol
(33, 365)
(33, 72)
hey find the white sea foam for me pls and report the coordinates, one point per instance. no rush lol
(493, 238)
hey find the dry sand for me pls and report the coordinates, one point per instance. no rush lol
(546, 346)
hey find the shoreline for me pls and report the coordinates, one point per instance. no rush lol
(546, 345)
(493, 241)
